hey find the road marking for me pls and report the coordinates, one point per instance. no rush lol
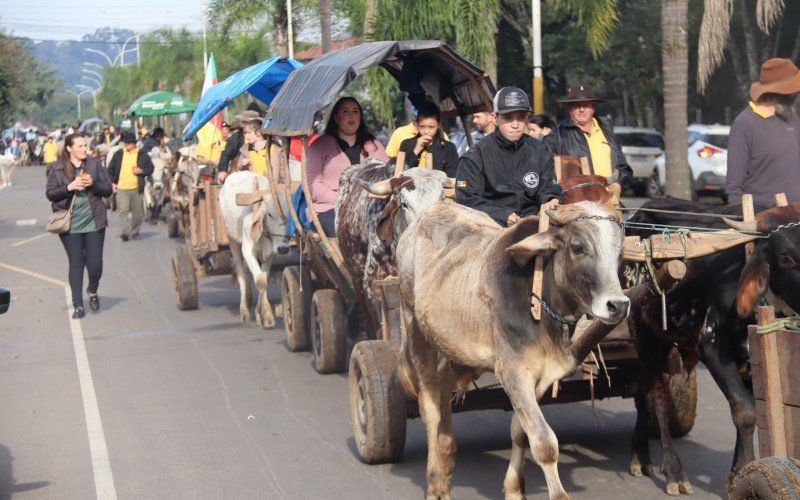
(29, 240)
(25, 222)
(34, 274)
(103, 478)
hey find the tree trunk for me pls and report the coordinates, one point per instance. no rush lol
(796, 48)
(490, 58)
(675, 54)
(750, 39)
(280, 29)
(369, 16)
(325, 24)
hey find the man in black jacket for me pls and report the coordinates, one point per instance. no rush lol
(508, 175)
(127, 169)
(584, 135)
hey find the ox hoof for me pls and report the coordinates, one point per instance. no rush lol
(514, 496)
(639, 470)
(437, 496)
(676, 488)
(265, 318)
(244, 315)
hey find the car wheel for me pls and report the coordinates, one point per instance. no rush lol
(654, 189)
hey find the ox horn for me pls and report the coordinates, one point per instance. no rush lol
(558, 218)
(449, 183)
(747, 225)
(380, 188)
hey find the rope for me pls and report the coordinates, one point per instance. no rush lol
(781, 324)
(675, 212)
(663, 228)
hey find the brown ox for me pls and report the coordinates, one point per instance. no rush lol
(466, 285)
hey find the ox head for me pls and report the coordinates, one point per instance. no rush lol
(775, 264)
(411, 192)
(585, 242)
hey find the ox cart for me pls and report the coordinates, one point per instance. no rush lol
(317, 294)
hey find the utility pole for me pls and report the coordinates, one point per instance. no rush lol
(205, 46)
(538, 84)
(138, 54)
(290, 28)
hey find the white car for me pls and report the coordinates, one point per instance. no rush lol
(641, 147)
(708, 162)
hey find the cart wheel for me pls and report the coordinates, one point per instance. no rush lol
(183, 274)
(172, 221)
(768, 478)
(329, 327)
(684, 407)
(296, 305)
(377, 402)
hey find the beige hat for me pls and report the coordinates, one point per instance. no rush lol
(778, 76)
(248, 115)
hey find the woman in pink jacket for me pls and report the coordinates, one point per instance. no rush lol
(347, 141)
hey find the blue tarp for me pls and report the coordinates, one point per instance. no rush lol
(300, 206)
(262, 81)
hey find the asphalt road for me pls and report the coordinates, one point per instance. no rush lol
(144, 401)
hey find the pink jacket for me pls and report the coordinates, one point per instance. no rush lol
(324, 167)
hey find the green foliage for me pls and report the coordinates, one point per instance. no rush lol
(597, 17)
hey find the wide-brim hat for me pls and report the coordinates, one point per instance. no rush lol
(581, 93)
(247, 115)
(127, 137)
(778, 76)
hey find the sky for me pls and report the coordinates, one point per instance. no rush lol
(62, 20)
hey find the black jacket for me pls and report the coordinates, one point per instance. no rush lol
(232, 146)
(57, 193)
(568, 139)
(445, 156)
(499, 177)
(149, 143)
(142, 161)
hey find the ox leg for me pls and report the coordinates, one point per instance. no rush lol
(521, 388)
(717, 356)
(661, 401)
(434, 416)
(641, 464)
(242, 279)
(264, 316)
(514, 483)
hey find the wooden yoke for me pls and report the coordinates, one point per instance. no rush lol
(538, 268)
(400, 163)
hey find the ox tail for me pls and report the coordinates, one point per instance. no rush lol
(406, 374)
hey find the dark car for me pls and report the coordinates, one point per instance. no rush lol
(5, 300)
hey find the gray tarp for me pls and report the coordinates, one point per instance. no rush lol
(420, 66)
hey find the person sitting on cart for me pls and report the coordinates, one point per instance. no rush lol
(347, 141)
(509, 174)
(254, 150)
(429, 141)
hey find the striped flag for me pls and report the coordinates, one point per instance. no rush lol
(211, 132)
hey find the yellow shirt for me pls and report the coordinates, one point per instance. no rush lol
(50, 152)
(757, 111)
(127, 179)
(258, 161)
(211, 153)
(401, 134)
(600, 150)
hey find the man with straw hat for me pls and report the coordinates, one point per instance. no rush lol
(234, 143)
(585, 135)
(764, 145)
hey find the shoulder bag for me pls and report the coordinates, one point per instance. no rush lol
(59, 221)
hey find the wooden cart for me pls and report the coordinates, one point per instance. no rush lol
(206, 253)
(775, 370)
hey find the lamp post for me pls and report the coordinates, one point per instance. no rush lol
(538, 86)
(121, 49)
(78, 96)
(91, 91)
(100, 67)
(100, 52)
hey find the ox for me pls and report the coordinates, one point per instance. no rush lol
(466, 286)
(708, 316)
(255, 235)
(366, 227)
(154, 187)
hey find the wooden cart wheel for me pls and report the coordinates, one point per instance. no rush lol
(684, 408)
(172, 222)
(377, 402)
(768, 478)
(296, 308)
(329, 331)
(183, 274)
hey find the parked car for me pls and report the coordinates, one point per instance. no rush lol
(641, 146)
(5, 300)
(459, 139)
(708, 163)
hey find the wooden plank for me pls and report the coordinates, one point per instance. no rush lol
(788, 345)
(400, 163)
(780, 200)
(756, 363)
(538, 268)
(585, 168)
(557, 167)
(192, 218)
(792, 417)
(772, 384)
(749, 214)
(667, 247)
(764, 449)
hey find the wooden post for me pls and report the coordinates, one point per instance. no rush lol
(772, 383)
(585, 168)
(557, 166)
(749, 214)
(400, 163)
(538, 268)
(428, 164)
(780, 200)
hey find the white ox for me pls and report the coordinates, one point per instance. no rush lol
(255, 232)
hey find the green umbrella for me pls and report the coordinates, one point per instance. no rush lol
(160, 103)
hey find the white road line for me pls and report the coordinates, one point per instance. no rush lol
(103, 478)
(29, 240)
(25, 222)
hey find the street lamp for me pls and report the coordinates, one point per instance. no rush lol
(95, 51)
(92, 79)
(98, 66)
(91, 91)
(78, 95)
(122, 50)
(93, 72)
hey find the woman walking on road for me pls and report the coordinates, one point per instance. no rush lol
(75, 175)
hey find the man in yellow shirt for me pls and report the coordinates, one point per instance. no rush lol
(49, 152)
(127, 169)
(400, 134)
(585, 135)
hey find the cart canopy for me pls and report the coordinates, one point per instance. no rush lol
(421, 67)
(262, 81)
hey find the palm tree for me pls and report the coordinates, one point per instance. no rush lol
(675, 61)
(325, 24)
(230, 14)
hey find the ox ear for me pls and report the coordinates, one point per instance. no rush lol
(753, 283)
(257, 222)
(537, 244)
(385, 227)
